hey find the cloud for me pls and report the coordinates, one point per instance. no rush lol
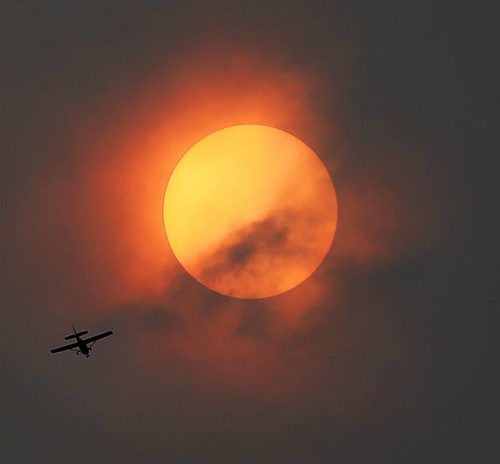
(243, 251)
(267, 256)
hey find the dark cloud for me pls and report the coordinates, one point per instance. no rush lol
(245, 248)
(284, 239)
(261, 237)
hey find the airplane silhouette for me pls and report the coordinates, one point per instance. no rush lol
(81, 345)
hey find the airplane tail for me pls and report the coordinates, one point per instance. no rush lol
(76, 334)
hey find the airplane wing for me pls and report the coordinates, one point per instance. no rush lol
(64, 348)
(98, 337)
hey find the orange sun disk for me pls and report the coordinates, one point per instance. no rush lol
(250, 211)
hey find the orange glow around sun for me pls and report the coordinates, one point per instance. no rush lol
(123, 168)
(249, 222)
(250, 211)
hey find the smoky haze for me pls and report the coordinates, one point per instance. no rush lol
(384, 355)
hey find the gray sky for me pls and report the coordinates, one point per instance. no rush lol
(384, 355)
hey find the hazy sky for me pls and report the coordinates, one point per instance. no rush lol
(384, 355)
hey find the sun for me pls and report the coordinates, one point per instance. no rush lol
(250, 211)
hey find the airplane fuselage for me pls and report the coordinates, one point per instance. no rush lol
(82, 346)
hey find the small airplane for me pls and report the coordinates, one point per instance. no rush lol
(81, 345)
